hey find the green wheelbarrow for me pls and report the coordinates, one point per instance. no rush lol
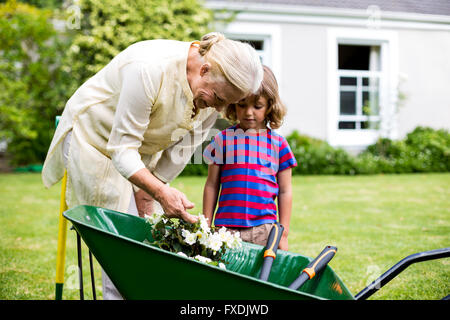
(141, 271)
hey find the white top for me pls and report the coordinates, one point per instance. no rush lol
(134, 113)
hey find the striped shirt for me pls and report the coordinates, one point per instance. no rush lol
(249, 163)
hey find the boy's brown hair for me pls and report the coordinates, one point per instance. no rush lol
(269, 89)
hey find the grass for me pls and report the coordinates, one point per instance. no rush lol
(375, 221)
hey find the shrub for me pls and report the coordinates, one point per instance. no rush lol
(431, 148)
(423, 150)
(32, 84)
(41, 67)
(108, 27)
(318, 157)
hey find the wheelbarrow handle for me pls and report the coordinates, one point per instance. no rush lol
(271, 249)
(399, 267)
(314, 267)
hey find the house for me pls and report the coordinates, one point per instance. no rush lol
(351, 71)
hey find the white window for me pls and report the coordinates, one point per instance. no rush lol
(362, 83)
(359, 77)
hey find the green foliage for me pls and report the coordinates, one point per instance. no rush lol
(42, 3)
(318, 157)
(195, 169)
(32, 86)
(423, 150)
(108, 27)
(431, 147)
(194, 240)
(41, 67)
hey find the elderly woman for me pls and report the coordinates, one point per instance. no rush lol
(122, 131)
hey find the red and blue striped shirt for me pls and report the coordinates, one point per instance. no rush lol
(250, 161)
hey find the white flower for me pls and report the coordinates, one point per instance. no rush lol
(155, 218)
(204, 224)
(189, 237)
(214, 242)
(226, 237)
(235, 241)
(223, 233)
(222, 266)
(202, 259)
(202, 237)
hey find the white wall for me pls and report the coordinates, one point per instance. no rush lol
(304, 84)
(423, 64)
(422, 45)
(424, 60)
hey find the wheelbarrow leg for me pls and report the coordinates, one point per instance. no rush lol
(92, 276)
(80, 266)
(80, 270)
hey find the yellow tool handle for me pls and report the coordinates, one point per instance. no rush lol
(62, 236)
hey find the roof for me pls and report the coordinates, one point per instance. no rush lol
(436, 7)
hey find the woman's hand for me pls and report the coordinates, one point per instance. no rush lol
(175, 204)
(144, 203)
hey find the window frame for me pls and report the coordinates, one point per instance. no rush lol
(359, 91)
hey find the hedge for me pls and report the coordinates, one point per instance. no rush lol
(422, 150)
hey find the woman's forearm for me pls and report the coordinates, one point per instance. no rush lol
(173, 202)
(146, 181)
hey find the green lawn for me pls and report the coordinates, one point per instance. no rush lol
(375, 221)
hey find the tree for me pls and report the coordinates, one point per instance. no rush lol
(104, 28)
(40, 67)
(32, 84)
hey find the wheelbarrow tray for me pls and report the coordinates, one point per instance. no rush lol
(142, 271)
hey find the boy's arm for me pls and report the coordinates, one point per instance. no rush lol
(211, 192)
(284, 204)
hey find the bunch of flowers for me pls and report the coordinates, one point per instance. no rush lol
(193, 240)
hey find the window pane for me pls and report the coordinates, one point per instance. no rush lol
(370, 103)
(348, 102)
(374, 125)
(347, 124)
(352, 57)
(257, 44)
(370, 82)
(348, 81)
(359, 57)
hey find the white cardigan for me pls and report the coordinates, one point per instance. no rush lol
(136, 112)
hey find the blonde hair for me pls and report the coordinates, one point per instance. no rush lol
(237, 61)
(276, 110)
